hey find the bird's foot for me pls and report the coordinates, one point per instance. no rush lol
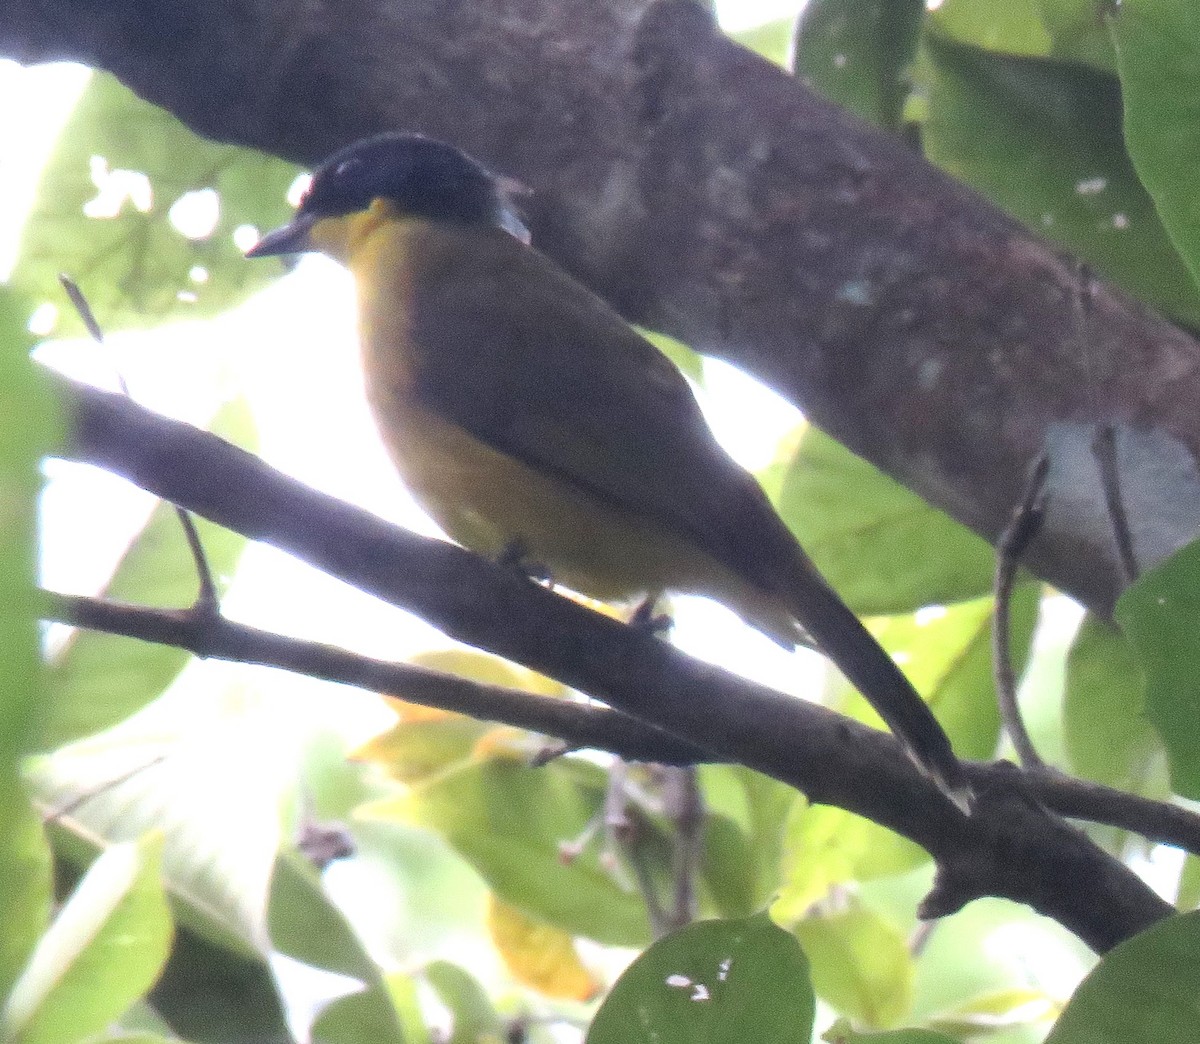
(515, 556)
(644, 618)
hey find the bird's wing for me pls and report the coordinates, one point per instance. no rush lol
(534, 364)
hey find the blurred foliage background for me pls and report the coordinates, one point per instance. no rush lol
(239, 855)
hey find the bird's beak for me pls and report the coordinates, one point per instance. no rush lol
(291, 238)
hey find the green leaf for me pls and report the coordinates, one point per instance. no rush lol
(826, 846)
(1189, 883)
(510, 822)
(101, 679)
(721, 982)
(1159, 615)
(103, 951)
(948, 656)
(136, 267)
(1043, 141)
(1158, 56)
(211, 994)
(30, 426)
(473, 1018)
(842, 1033)
(771, 40)
(1107, 735)
(26, 887)
(1065, 30)
(1146, 991)
(857, 53)
(757, 807)
(690, 363)
(406, 1000)
(728, 867)
(860, 965)
(304, 925)
(145, 774)
(884, 548)
(132, 1038)
(1014, 27)
(1078, 33)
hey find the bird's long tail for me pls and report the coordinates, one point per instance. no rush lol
(843, 638)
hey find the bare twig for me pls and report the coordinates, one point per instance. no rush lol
(579, 724)
(1104, 443)
(1026, 520)
(1104, 449)
(582, 724)
(1157, 821)
(623, 839)
(206, 597)
(684, 807)
(68, 808)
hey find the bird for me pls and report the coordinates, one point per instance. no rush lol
(523, 412)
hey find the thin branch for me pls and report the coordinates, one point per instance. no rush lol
(1026, 521)
(1104, 443)
(216, 638)
(207, 601)
(1104, 449)
(1158, 821)
(580, 725)
(684, 807)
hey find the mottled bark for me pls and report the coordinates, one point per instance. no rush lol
(709, 195)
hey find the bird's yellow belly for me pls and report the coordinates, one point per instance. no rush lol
(489, 502)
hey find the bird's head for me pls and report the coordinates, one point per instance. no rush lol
(386, 177)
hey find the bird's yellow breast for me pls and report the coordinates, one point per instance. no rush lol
(484, 498)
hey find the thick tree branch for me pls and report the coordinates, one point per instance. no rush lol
(1010, 846)
(711, 196)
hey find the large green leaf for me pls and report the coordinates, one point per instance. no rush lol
(721, 982)
(1107, 735)
(1146, 991)
(857, 53)
(757, 807)
(826, 846)
(28, 429)
(306, 927)
(771, 39)
(1158, 56)
(947, 654)
(510, 822)
(156, 772)
(100, 679)
(1159, 615)
(884, 548)
(136, 266)
(860, 965)
(473, 1017)
(1067, 30)
(1043, 140)
(843, 1033)
(103, 951)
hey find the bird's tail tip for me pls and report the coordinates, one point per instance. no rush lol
(950, 777)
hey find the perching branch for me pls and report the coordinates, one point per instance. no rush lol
(577, 725)
(1010, 846)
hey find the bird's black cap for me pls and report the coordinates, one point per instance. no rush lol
(420, 176)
